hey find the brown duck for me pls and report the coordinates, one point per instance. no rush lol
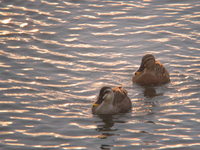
(151, 72)
(112, 101)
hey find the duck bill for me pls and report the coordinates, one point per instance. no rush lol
(95, 105)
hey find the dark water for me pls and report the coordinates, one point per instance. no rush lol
(56, 55)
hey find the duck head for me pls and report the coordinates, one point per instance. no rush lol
(104, 100)
(148, 61)
(105, 95)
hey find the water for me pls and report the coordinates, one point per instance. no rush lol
(56, 55)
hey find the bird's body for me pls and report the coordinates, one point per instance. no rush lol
(112, 101)
(151, 72)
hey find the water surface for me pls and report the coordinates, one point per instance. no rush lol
(56, 55)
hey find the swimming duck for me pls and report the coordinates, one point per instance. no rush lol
(151, 72)
(112, 101)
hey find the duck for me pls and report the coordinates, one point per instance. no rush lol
(151, 72)
(112, 101)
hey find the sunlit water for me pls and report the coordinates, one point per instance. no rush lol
(56, 55)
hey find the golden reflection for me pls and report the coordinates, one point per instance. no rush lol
(14, 111)
(29, 126)
(17, 87)
(5, 123)
(6, 21)
(137, 17)
(136, 144)
(21, 131)
(194, 22)
(175, 24)
(175, 34)
(30, 83)
(6, 132)
(182, 113)
(9, 14)
(172, 129)
(185, 137)
(159, 40)
(117, 62)
(111, 13)
(7, 102)
(181, 146)
(103, 25)
(177, 4)
(83, 126)
(119, 145)
(15, 144)
(195, 119)
(13, 47)
(133, 130)
(39, 22)
(49, 3)
(86, 46)
(52, 42)
(26, 118)
(133, 46)
(169, 8)
(57, 19)
(13, 38)
(71, 39)
(74, 35)
(168, 110)
(11, 140)
(15, 56)
(109, 33)
(129, 139)
(95, 5)
(73, 147)
(30, 10)
(56, 135)
(196, 34)
(62, 11)
(71, 4)
(4, 65)
(90, 54)
(75, 28)
(19, 94)
(42, 50)
(170, 120)
(86, 16)
(126, 4)
(44, 146)
(52, 116)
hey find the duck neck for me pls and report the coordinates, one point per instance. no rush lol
(106, 107)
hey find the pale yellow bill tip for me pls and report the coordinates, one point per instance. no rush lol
(138, 73)
(95, 105)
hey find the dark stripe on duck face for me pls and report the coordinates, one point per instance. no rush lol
(103, 91)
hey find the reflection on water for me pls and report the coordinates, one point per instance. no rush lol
(107, 121)
(150, 92)
(54, 57)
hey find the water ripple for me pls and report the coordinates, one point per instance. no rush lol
(55, 56)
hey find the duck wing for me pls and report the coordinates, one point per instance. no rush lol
(121, 100)
(161, 72)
